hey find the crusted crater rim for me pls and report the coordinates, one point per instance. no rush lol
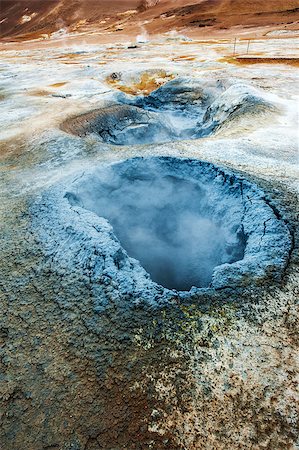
(81, 240)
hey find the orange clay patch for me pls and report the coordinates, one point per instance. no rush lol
(70, 62)
(238, 60)
(70, 56)
(58, 85)
(148, 83)
(184, 58)
(39, 93)
(203, 42)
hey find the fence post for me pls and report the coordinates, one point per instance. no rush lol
(248, 46)
(235, 43)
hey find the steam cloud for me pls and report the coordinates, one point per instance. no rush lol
(167, 223)
(146, 4)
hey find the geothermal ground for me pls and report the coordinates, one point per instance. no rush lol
(149, 244)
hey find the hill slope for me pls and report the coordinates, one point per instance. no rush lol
(29, 18)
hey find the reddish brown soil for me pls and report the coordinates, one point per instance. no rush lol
(245, 60)
(203, 17)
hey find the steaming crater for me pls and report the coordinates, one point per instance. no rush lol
(180, 109)
(145, 223)
(175, 227)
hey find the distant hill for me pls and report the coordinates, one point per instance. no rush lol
(33, 18)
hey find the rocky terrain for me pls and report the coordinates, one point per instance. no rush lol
(26, 20)
(149, 230)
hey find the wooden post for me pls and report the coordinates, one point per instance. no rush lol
(248, 46)
(235, 44)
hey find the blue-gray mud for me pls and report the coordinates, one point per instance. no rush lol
(193, 225)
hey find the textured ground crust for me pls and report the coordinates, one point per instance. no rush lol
(93, 354)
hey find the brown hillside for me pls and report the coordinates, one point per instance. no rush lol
(28, 18)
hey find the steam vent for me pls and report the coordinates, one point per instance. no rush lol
(158, 224)
(156, 257)
(149, 233)
(180, 109)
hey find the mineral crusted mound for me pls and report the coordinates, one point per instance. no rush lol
(181, 93)
(236, 103)
(213, 105)
(153, 225)
(121, 125)
(183, 108)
